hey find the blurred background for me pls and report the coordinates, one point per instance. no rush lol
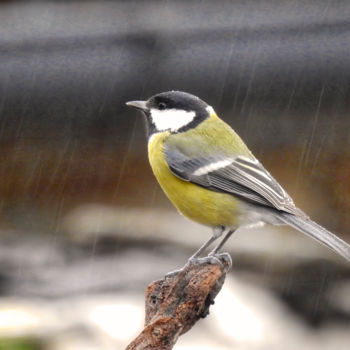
(84, 227)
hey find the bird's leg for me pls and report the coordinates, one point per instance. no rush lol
(195, 258)
(221, 244)
(217, 232)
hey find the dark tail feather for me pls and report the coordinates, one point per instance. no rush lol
(317, 232)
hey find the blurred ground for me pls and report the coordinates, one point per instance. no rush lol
(80, 212)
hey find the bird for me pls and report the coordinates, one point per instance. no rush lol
(211, 177)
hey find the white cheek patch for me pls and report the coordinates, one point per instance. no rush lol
(171, 119)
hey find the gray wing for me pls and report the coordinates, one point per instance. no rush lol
(241, 176)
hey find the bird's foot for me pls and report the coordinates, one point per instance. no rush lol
(205, 260)
(223, 260)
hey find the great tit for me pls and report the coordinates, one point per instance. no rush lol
(211, 176)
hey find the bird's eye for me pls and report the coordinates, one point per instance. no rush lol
(161, 106)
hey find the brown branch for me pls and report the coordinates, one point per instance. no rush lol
(175, 303)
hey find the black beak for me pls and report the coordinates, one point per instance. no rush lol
(138, 105)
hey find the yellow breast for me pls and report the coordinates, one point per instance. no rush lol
(196, 203)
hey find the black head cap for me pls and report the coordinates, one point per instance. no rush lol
(177, 100)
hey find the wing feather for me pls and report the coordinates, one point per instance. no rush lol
(241, 176)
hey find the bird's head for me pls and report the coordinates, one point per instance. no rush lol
(173, 111)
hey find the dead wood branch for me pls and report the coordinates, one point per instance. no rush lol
(175, 303)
